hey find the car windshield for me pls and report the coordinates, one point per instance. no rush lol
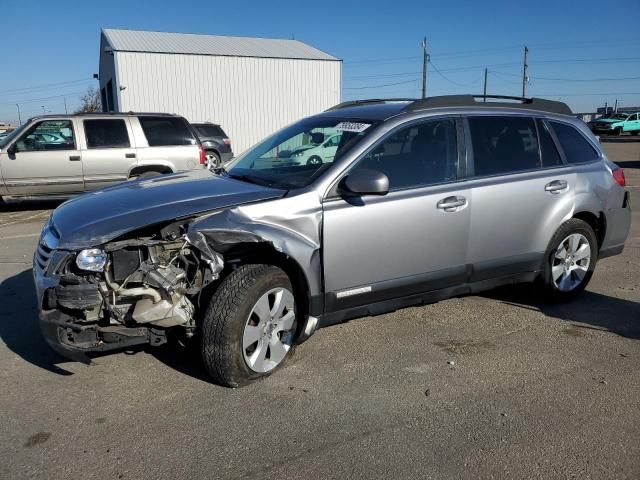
(297, 155)
(620, 116)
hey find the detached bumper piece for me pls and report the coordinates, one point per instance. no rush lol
(75, 341)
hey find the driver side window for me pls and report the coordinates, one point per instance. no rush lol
(419, 155)
(46, 136)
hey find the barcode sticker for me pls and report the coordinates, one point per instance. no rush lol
(352, 127)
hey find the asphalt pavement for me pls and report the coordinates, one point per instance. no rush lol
(492, 386)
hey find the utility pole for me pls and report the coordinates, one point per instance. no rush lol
(19, 117)
(524, 72)
(485, 84)
(425, 63)
(606, 108)
(65, 104)
(615, 108)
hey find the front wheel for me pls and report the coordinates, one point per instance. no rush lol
(250, 324)
(570, 260)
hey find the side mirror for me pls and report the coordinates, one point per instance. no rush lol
(12, 149)
(366, 182)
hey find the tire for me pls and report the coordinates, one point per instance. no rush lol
(213, 160)
(228, 345)
(567, 270)
(149, 174)
(314, 160)
(618, 132)
(635, 132)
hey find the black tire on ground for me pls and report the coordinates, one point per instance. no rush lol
(314, 160)
(569, 227)
(618, 132)
(635, 132)
(224, 322)
(213, 160)
(149, 174)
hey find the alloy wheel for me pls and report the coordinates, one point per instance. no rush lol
(269, 330)
(570, 262)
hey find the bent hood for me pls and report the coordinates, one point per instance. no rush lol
(98, 217)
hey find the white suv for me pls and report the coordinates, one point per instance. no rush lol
(61, 155)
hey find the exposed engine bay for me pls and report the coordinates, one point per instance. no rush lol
(152, 280)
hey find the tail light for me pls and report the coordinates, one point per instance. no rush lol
(203, 156)
(226, 141)
(618, 176)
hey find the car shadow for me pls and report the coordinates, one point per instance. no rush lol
(589, 311)
(28, 205)
(20, 331)
(628, 163)
(623, 139)
(19, 327)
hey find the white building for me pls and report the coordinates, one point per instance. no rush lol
(250, 86)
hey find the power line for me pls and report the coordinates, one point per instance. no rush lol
(577, 79)
(439, 72)
(31, 100)
(40, 87)
(379, 86)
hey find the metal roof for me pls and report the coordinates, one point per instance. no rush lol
(194, 44)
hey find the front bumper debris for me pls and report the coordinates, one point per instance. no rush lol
(75, 341)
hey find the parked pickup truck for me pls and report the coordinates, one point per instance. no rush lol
(62, 155)
(617, 124)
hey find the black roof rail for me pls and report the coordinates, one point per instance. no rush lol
(357, 103)
(542, 104)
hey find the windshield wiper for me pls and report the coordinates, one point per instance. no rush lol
(221, 171)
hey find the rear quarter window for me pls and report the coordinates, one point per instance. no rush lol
(167, 131)
(209, 131)
(576, 148)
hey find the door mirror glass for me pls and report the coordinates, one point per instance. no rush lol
(364, 181)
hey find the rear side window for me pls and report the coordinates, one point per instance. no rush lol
(166, 131)
(550, 155)
(107, 133)
(576, 148)
(210, 131)
(504, 145)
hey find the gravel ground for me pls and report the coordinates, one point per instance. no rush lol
(491, 386)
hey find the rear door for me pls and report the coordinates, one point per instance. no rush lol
(521, 190)
(169, 141)
(108, 152)
(46, 160)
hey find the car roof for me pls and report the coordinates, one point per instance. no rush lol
(104, 114)
(383, 109)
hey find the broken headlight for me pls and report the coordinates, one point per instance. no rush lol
(92, 260)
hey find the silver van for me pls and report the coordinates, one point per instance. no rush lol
(421, 200)
(62, 155)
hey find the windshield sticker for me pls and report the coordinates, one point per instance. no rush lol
(352, 127)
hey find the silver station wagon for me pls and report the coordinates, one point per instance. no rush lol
(63, 155)
(421, 200)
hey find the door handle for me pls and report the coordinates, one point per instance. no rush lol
(452, 204)
(129, 155)
(557, 186)
(74, 158)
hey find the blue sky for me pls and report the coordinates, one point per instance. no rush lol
(584, 52)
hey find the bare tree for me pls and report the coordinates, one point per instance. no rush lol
(90, 101)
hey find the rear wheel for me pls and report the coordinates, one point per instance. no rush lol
(250, 324)
(150, 174)
(570, 260)
(314, 160)
(213, 160)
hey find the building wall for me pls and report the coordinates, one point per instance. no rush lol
(106, 73)
(250, 97)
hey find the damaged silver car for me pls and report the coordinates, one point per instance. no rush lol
(422, 200)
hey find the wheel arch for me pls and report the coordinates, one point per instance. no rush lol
(140, 169)
(597, 222)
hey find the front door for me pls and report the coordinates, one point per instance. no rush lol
(413, 239)
(44, 160)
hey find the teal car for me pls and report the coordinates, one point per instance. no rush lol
(617, 124)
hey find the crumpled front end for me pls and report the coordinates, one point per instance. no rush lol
(130, 292)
